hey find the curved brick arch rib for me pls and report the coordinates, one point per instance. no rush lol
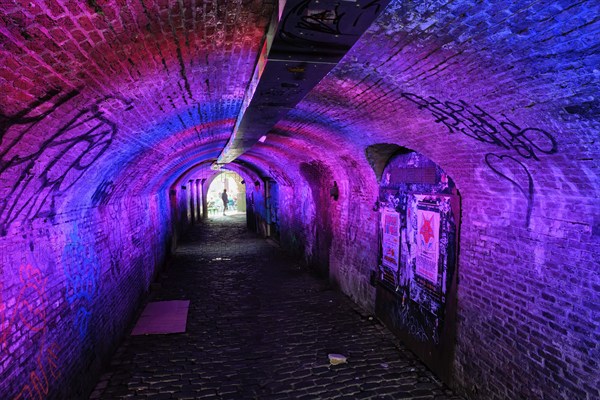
(378, 155)
(201, 170)
(319, 176)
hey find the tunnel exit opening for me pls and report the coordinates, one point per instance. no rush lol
(226, 195)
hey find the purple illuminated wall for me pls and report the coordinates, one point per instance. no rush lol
(74, 283)
(108, 108)
(92, 142)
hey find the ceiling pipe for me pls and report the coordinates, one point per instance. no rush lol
(305, 40)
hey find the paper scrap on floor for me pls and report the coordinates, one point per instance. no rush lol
(161, 317)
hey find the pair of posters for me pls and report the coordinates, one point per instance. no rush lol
(425, 239)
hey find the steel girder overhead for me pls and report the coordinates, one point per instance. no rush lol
(305, 40)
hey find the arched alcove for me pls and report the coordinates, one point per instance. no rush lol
(417, 273)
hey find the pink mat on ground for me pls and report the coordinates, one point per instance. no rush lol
(161, 317)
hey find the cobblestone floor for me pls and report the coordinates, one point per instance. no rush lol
(260, 327)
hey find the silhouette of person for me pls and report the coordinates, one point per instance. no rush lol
(225, 199)
(334, 191)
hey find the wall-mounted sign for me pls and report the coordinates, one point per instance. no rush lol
(391, 238)
(428, 241)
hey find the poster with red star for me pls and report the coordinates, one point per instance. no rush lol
(391, 238)
(428, 242)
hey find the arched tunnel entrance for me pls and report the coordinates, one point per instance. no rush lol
(235, 187)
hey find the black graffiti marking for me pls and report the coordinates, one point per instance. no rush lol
(24, 116)
(374, 4)
(324, 21)
(55, 164)
(115, 237)
(508, 168)
(116, 258)
(309, 16)
(476, 123)
(103, 192)
(93, 4)
(182, 71)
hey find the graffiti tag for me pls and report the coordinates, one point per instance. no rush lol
(40, 165)
(38, 385)
(30, 310)
(477, 124)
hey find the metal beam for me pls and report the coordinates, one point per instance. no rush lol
(305, 40)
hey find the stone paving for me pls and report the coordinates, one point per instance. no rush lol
(260, 326)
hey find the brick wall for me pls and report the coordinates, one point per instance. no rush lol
(92, 136)
(70, 288)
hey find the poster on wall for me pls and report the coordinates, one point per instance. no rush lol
(428, 241)
(391, 239)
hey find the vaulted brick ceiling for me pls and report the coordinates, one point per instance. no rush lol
(134, 93)
(108, 108)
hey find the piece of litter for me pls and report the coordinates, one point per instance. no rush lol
(384, 365)
(162, 317)
(335, 359)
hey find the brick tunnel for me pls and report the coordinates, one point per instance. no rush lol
(434, 162)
